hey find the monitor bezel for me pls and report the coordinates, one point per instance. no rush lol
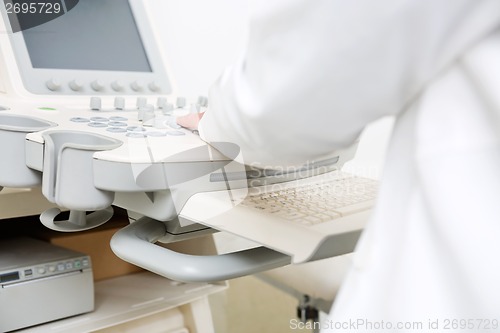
(35, 79)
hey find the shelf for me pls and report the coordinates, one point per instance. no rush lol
(132, 297)
(22, 202)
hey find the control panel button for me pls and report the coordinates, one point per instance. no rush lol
(202, 101)
(141, 101)
(195, 108)
(149, 112)
(135, 135)
(79, 120)
(119, 103)
(161, 102)
(69, 265)
(180, 102)
(41, 270)
(97, 124)
(156, 134)
(117, 124)
(153, 86)
(99, 119)
(60, 267)
(176, 133)
(167, 109)
(85, 262)
(95, 103)
(117, 118)
(146, 112)
(116, 129)
(75, 85)
(136, 85)
(173, 124)
(53, 84)
(97, 85)
(52, 268)
(117, 85)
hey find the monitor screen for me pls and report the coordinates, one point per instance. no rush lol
(91, 35)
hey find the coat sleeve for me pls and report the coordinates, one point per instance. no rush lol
(315, 73)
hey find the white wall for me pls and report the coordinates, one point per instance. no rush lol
(200, 38)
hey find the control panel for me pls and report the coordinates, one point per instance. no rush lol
(26, 259)
(42, 270)
(90, 85)
(155, 120)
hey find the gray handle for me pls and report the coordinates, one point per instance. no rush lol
(134, 244)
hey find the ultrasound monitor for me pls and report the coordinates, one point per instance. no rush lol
(84, 47)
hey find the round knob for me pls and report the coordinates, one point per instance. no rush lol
(146, 112)
(136, 85)
(195, 108)
(149, 112)
(153, 86)
(95, 103)
(161, 102)
(76, 85)
(53, 84)
(97, 85)
(141, 101)
(117, 85)
(202, 101)
(167, 109)
(119, 103)
(180, 102)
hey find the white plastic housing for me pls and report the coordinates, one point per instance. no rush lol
(13, 130)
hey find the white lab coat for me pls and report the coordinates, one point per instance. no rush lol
(315, 73)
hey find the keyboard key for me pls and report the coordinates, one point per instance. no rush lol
(311, 204)
(351, 209)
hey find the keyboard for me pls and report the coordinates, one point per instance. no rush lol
(315, 203)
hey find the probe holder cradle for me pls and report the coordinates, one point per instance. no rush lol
(13, 130)
(68, 180)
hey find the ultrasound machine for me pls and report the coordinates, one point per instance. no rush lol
(87, 114)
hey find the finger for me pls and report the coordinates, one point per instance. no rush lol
(190, 121)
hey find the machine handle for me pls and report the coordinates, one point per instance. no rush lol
(134, 244)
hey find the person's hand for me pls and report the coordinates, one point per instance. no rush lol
(190, 121)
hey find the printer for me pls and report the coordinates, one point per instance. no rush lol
(41, 282)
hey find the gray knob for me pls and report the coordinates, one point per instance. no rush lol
(195, 108)
(146, 112)
(119, 103)
(149, 112)
(153, 86)
(136, 85)
(180, 102)
(53, 84)
(161, 102)
(167, 109)
(95, 103)
(76, 85)
(117, 85)
(202, 101)
(97, 85)
(141, 101)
